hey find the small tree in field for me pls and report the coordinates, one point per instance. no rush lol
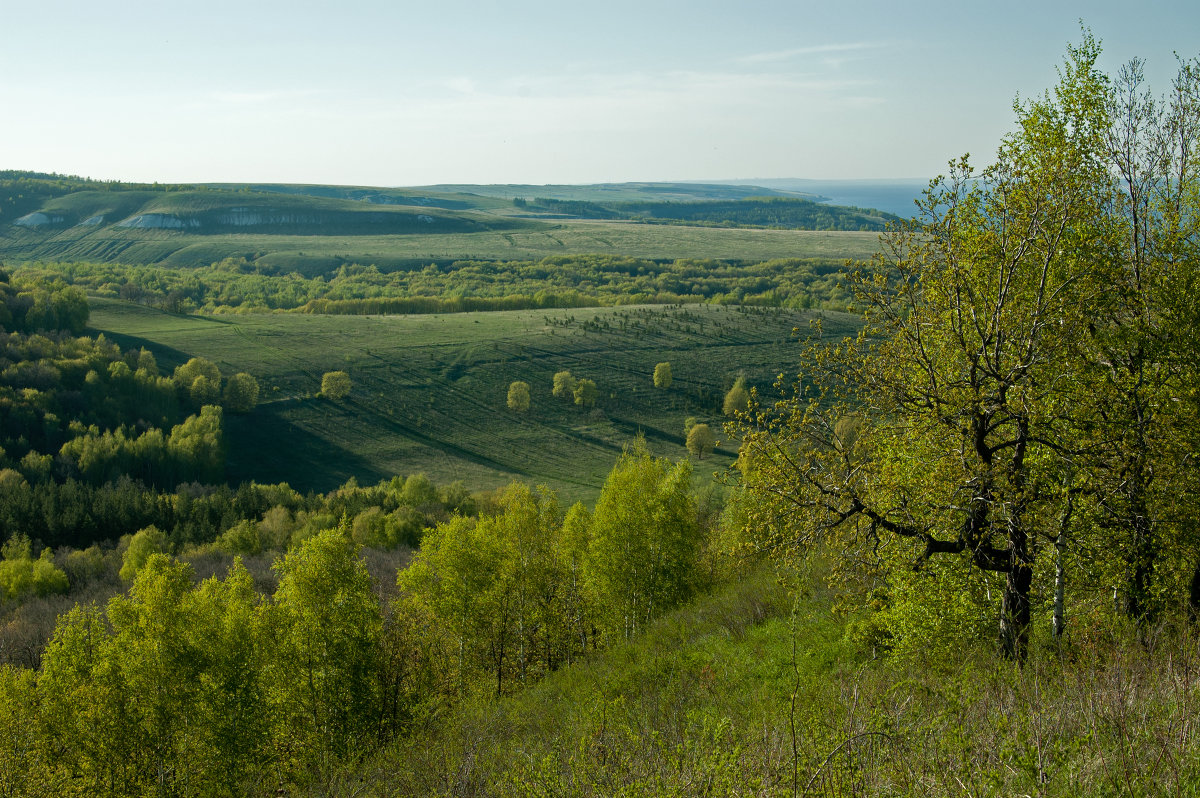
(586, 393)
(662, 376)
(701, 440)
(564, 385)
(738, 398)
(518, 397)
(241, 393)
(195, 369)
(335, 385)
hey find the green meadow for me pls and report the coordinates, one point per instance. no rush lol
(522, 240)
(430, 391)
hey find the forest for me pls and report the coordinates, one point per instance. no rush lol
(955, 550)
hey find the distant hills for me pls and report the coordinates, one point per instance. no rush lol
(893, 196)
(49, 216)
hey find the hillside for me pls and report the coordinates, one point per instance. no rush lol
(618, 192)
(314, 229)
(429, 391)
(764, 689)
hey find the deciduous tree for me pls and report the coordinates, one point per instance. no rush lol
(662, 376)
(586, 393)
(335, 385)
(643, 543)
(564, 385)
(973, 378)
(241, 393)
(737, 399)
(518, 396)
(701, 440)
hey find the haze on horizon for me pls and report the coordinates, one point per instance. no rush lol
(404, 93)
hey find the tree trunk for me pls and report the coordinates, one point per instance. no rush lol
(1194, 595)
(1015, 613)
(1060, 584)
(1138, 604)
(1060, 571)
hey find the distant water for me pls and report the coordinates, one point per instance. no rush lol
(893, 196)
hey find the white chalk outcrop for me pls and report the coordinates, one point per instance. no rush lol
(247, 217)
(159, 221)
(39, 219)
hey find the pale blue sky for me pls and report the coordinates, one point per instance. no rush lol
(408, 93)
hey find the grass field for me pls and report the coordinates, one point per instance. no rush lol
(429, 391)
(536, 240)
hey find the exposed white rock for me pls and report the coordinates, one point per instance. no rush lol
(38, 219)
(245, 217)
(92, 221)
(159, 221)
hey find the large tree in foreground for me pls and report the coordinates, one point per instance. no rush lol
(965, 430)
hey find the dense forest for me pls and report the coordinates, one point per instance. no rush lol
(957, 553)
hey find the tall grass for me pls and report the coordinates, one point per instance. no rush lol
(716, 700)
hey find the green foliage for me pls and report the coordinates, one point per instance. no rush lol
(335, 385)
(464, 286)
(21, 575)
(644, 541)
(140, 548)
(241, 393)
(519, 396)
(324, 676)
(491, 586)
(199, 379)
(172, 697)
(662, 376)
(701, 440)
(193, 449)
(585, 392)
(419, 491)
(41, 304)
(564, 385)
(1009, 390)
(737, 399)
(243, 538)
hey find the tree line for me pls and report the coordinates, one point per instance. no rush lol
(242, 285)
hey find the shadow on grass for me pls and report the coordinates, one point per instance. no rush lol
(267, 448)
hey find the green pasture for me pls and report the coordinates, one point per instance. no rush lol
(430, 391)
(523, 239)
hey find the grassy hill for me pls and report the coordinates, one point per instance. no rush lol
(753, 691)
(616, 192)
(429, 391)
(315, 228)
(313, 254)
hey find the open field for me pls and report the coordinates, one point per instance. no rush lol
(429, 391)
(312, 253)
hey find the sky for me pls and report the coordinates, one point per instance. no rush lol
(370, 92)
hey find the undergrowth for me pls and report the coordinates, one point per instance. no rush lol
(758, 691)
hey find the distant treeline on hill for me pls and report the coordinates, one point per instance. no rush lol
(239, 285)
(774, 212)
